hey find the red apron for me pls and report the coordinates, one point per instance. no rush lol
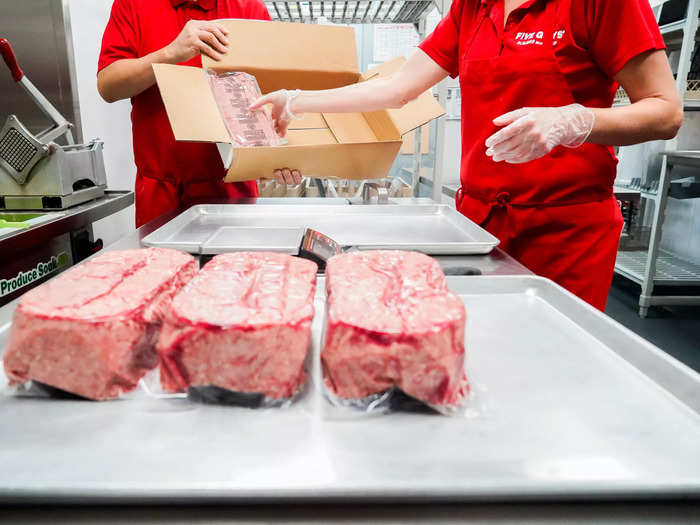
(557, 215)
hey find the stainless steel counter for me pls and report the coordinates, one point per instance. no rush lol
(496, 263)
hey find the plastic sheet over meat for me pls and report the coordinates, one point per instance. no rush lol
(92, 330)
(234, 92)
(392, 325)
(239, 333)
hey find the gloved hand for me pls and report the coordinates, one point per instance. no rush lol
(281, 113)
(281, 116)
(531, 133)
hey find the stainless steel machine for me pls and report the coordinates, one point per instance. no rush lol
(36, 172)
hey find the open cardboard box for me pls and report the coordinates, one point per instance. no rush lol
(294, 56)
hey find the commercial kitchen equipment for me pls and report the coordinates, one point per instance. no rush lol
(36, 172)
(35, 246)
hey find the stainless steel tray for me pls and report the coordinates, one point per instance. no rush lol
(430, 228)
(568, 404)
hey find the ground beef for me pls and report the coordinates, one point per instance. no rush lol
(243, 324)
(92, 330)
(392, 321)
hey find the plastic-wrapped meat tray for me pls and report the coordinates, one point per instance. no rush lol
(234, 92)
(243, 324)
(392, 323)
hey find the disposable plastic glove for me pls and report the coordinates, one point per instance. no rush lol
(531, 133)
(281, 113)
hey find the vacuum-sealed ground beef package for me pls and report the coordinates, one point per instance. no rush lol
(393, 324)
(234, 92)
(92, 330)
(243, 325)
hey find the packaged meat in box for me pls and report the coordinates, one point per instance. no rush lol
(234, 92)
(92, 330)
(243, 325)
(393, 324)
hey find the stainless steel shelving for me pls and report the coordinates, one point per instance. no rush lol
(352, 12)
(673, 27)
(671, 270)
(656, 267)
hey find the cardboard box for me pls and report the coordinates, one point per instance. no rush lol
(295, 56)
(409, 141)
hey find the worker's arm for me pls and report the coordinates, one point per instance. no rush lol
(655, 113)
(128, 77)
(418, 74)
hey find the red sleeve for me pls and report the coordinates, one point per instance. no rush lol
(615, 31)
(258, 11)
(442, 45)
(120, 39)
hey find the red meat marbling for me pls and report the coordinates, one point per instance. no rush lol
(392, 321)
(243, 324)
(92, 330)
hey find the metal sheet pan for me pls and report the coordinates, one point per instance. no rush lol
(568, 405)
(430, 228)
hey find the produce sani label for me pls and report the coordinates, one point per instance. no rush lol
(41, 270)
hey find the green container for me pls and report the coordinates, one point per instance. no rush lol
(17, 220)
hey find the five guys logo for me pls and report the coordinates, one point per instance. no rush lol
(536, 38)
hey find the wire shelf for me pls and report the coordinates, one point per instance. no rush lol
(356, 12)
(693, 90)
(670, 269)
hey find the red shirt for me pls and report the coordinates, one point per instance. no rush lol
(593, 39)
(139, 27)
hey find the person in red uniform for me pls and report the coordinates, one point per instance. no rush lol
(139, 34)
(538, 79)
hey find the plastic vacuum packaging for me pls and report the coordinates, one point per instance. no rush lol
(240, 332)
(234, 92)
(91, 331)
(394, 334)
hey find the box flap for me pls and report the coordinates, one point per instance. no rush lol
(409, 141)
(190, 104)
(309, 121)
(349, 128)
(414, 114)
(385, 69)
(307, 137)
(306, 56)
(382, 125)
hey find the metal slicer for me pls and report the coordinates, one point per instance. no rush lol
(35, 171)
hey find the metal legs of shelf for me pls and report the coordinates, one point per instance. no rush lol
(655, 239)
(439, 144)
(417, 153)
